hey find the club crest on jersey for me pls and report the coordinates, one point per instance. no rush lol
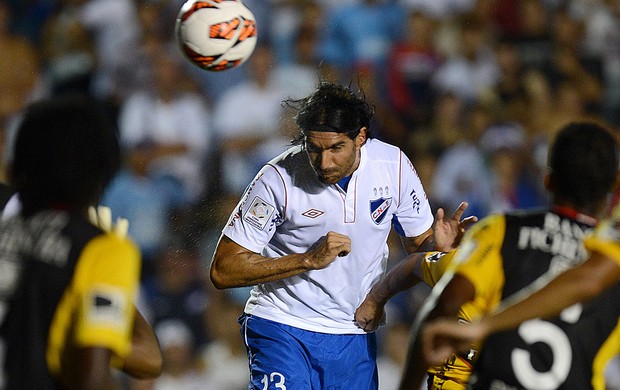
(259, 213)
(379, 208)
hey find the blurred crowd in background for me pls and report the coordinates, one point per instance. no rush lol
(471, 90)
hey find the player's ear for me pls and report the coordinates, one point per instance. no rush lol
(361, 137)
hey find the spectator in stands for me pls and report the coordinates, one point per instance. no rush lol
(149, 201)
(179, 369)
(225, 358)
(361, 34)
(174, 123)
(19, 68)
(462, 173)
(246, 116)
(177, 289)
(411, 64)
(472, 70)
(114, 27)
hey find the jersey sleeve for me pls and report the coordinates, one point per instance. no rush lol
(413, 215)
(479, 260)
(106, 285)
(606, 237)
(260, 210)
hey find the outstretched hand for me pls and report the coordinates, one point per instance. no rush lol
(447, 233)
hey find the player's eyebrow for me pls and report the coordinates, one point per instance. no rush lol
(313, 146)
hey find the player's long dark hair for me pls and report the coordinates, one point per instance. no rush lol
(332, 108)
(583, 161)
(66, 152)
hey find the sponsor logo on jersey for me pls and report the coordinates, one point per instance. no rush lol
(434, 256)
(259, 213)
(106, 306)
(379, 208)
(312, 213)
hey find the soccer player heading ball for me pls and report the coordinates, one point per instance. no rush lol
(310, 235)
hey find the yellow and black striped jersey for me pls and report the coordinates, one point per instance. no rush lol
(508, 257)
(71, 284)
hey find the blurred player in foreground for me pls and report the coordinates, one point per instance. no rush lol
(505, 257)
(310, 234)
(68, 287)
(582, 284)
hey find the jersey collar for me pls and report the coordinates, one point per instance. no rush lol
(574, 214)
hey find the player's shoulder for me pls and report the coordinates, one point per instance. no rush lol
(380, 151)
(289, 156)
(492, 223)
(377, 146)
(80, 230)
(526, 215)
(110, 245)
(293, 166)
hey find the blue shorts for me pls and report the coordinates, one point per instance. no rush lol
(285, 357)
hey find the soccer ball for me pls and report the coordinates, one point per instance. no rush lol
(216, 34)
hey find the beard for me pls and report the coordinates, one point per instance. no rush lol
(334, 175)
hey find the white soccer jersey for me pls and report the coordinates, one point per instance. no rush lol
(286, 209)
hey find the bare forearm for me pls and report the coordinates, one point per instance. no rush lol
(87, 369)
(236, 266)
(573, 286)
(444, 301)
(402, 276)
(145, 360)
(251, 269)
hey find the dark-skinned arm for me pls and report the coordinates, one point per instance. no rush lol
(145, 360)
(443, 302)
(88, 369)
(445, 233)
(405, 274)
(580, 284)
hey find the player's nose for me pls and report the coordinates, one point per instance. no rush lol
(325, 160)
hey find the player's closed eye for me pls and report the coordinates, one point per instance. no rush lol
(311, 148)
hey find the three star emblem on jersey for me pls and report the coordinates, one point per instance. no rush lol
(259, 213)
(379, 208)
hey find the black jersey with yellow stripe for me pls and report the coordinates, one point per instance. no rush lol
(567, 352)
(70, 284)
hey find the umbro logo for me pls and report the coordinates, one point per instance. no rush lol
(312, 213)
